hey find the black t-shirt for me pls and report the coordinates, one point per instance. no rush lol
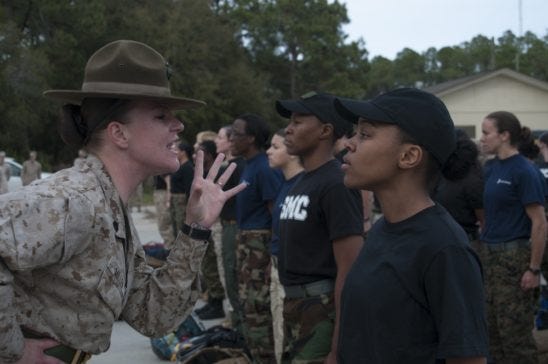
(316, 211)
(160, 182)
(181, 181)
(461, 198)
(414, 294)
(229, 209)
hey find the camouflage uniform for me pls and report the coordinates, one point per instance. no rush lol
(211, 273)
(277, 295)
(31, 171)
(72, 263)
(230, 230)
(3, 182)
(308, 324)
(163, 216)
(5, 174)
(177, 210)
(253, 256)
(216, 234)
(503, 270)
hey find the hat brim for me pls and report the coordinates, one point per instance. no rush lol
(353, 110)
(76, 97)
(286, 107)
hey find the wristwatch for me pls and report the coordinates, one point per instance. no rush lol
(195, 231)
(535, 271)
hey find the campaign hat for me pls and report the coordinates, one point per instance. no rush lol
(126, 69)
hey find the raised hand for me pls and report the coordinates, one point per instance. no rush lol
(206, 194)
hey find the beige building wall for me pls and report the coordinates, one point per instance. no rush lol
(469, 105)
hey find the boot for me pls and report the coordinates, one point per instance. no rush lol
(213, 310)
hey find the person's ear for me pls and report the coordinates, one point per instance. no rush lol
(505, 136)
(411, 156)
(326, 131)
(118, 133)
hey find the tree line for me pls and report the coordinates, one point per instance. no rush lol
(237, 55)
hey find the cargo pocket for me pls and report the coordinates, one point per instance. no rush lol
(111, 285)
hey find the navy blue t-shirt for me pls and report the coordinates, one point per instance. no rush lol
(278, 203)
(413, 295)
(263, 184)
(510, 185)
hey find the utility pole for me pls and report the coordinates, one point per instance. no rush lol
(520, 34)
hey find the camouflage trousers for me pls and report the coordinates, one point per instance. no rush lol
(308, 328)
(163, 216)
(277, 295)
(510, 310)
(177, 208)
(210, 272)
(228, 252)
(253, 256)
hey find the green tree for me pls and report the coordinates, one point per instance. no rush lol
(534, 61)
(210, 64)
(409, 68)
(381, 76)
(454, 63)
(508, 51)
(301, 45)
(481, 51)
(46, 44)
(237, 55)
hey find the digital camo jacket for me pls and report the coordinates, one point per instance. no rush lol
(71, 263)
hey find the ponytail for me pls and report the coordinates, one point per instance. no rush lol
(462, 160)
(527, 146)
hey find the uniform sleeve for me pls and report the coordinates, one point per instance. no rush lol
(160, 299)
(11, 338)
(43, 231)
(33, 234)
(454, 289)
(27, 240)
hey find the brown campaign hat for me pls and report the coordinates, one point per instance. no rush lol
(125, 69)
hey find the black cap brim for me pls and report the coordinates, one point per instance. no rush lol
(286, 107)
(353, 110)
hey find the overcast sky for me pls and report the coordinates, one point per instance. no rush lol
(388, 26)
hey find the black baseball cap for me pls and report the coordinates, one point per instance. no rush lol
(420, 114)
(318, 104)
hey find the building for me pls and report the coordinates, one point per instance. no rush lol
(470, 99)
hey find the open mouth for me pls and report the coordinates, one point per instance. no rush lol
(172, 146)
